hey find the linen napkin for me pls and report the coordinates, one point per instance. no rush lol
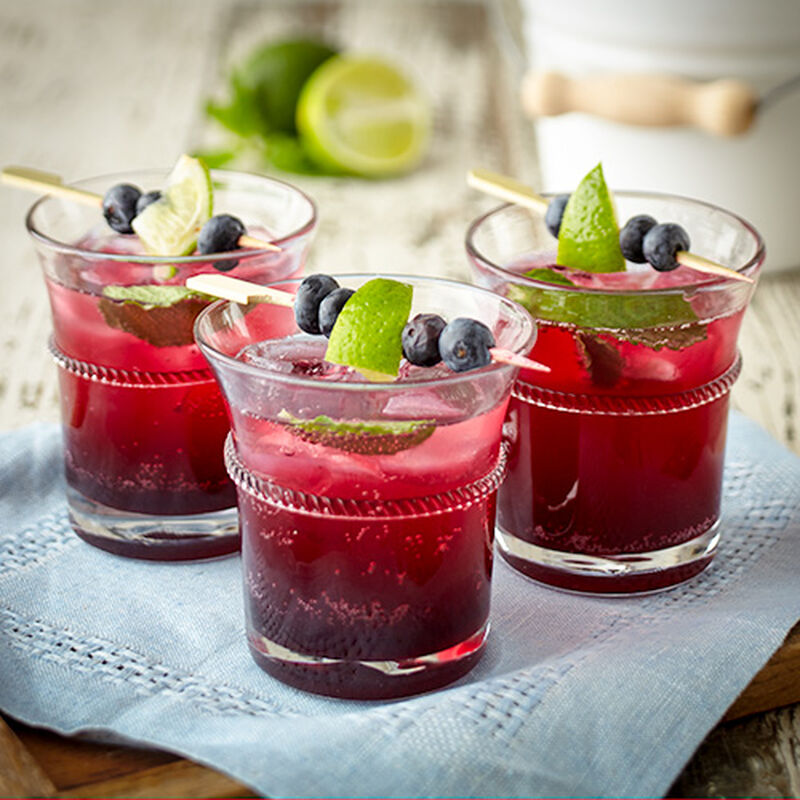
(575, 696)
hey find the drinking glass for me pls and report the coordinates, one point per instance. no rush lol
(144, 422)
(367, 509)
(615, 473)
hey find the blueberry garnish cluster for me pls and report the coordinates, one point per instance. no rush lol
(642, 239)
(123, 202)
(463, 344)
(310, 294)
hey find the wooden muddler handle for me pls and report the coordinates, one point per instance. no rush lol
(723, 107)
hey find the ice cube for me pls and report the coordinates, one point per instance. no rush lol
(302, 355)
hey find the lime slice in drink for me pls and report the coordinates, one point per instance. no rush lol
(360, 115)
(589, 235)
(169, 227)
(367, 334)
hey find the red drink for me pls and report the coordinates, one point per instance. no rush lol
(144, 421)
(146, 434)
(615, 473)
(367, 552)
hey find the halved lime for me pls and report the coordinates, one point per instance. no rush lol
(368, 331)
(170, 226)
(589, 235)
(361, 115)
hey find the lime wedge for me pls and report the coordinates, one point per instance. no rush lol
(169, 227)
(367, 334)
(360, 115)
(589, 235)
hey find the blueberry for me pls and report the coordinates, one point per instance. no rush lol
(311, 292)
(119, 206)
(147, 199)
(220, 234)
(662, 242)
(330, 307)
(632, 235)
(464, 344)
(554, 213)
(421, 339)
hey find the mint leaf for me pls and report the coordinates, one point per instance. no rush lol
(365, 438)
(151, 295)
(653, 320)
(214, 159)
(162, 316)
(288, 153)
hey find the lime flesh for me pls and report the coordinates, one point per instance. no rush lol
(361, 115)
(170, 226)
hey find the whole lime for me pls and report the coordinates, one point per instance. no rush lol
(273, 75)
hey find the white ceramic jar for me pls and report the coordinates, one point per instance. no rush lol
(758, 41)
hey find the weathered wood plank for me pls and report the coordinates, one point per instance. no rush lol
(777, 684)
(71, 763)
(20, 774)
(754, 757)
(88, 88)
(180, 779)
(769, 387)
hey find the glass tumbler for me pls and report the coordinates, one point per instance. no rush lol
(367, 509)
(144, 422)
(615, 473)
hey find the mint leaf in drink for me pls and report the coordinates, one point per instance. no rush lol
(162, 316)
(603, 361)
(364, 438)
(654, 320)
(150, 295)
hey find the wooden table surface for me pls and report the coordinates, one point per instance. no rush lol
(89, 87)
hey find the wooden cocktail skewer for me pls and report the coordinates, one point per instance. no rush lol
(47, 183)
(245, 292)
(514, 191)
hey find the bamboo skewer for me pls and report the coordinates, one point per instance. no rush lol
(245, 292)
(47, 183)
(237, 290)
(513, 191)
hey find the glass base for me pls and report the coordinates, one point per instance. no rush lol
(367, 680)
(624, 574)
(157, 538)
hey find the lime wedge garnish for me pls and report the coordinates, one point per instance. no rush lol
(367, 334)
(360, 115)
(589, 235)
(366, 438)
(169, 227)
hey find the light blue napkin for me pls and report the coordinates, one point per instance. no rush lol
(576, 696)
